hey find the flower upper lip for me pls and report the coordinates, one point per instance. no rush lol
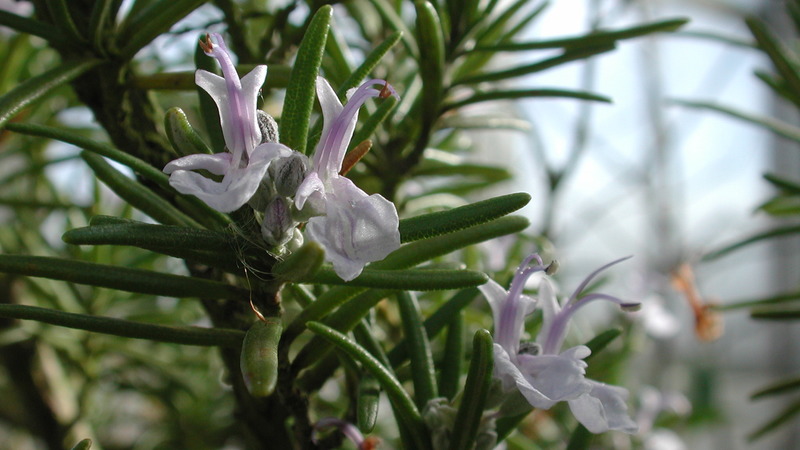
(246, 161)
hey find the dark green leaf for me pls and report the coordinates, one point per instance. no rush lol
(443, 222)
(773, 313)
(136, 194)
(452, 361)
(151, 22)
(781, 231)
(596, 38)
(401, 401)
(37, 87)
(776, 126)
(423, 373)
(780, 388)
(525, 93)
(300, 93)
(476, 390)
(410, 279)
(30, 26)
(779, 419)
(125, 328)
(121, 278)
(581, 53)
(601, 341)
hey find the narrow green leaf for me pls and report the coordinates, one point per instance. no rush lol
(779, 56)
(151, 22)
(102, 12)
(346, 318)
(30, 26)
(215, 249)
(779, 388)
(406, 256)
(436, 322)
(300, 93)
(580, 438)
(779, 419)
(37, 87)
(439, 168)
(600, 37)
(515, 94)
(84, 444)
(404, 406)
(277, 77)
(200, 211)
(121, 278)
(776, 126)
(125, 328)
(140, 234)
(181, 135)
(423, 250)
(485, 122)
(61, 16)
(136, 194)
(431, 59)
(367, 402)
(782, 206)
(370, 62)
(776, 232)
(782, 183)
(452, 361)
(792, 313)
(506, 425)
(601, 341)
(476, 389)
(323, 305)
(373, 121)
(396, 23)
(443, 222)
(423, 373)
(568, 56)
(777, 299)
(411, 279)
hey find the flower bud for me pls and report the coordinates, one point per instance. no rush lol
(278, 224)
(259, 359)
(287, 173)
(268, 127)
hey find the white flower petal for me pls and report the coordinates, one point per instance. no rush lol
(559, 377)
(603, 409)
(217, 164)
(357, 228)
(511, 377)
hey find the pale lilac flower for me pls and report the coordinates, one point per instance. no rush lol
(246, 160)
(349, 430)
(353, 227)
(541, 372)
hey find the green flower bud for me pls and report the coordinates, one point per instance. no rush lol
(259, 360)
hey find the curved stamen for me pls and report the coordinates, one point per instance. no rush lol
(558, 327)
(331, 154)
(591, 276)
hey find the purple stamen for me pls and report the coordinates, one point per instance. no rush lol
(558, 327)
(333, 149)
(591, 276)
